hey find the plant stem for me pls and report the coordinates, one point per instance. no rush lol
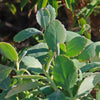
(52, 83)
(17, 65)
(70, 92)
(48, 64)
(58, 49)
(25, 71)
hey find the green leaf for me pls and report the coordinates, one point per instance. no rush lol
(23, 3)
(22, 53)
(4, 72)
(22, 87)
(12, 8)
(32, 63)
(52, 12)
(90, 66)
(38, 50)
(55, 33)
(64, 72)
(91, 7)
(40, 4)
(96, 58)
(3, 94)
(8, 51)
(58, 95)
(97, 50)
(88, 52)
(62, 48)
(5, 83)
(26, 33)
(75, 46)
(82, 21)
(70, 35)
(44, 3)
(47, 90)
(54, 4)
(68, 3)
(98, 95)
(43, 17)
(78, 64)
(88, 84)
(33, 3)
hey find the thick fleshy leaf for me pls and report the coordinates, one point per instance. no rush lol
(38, 50)
(4, 72)
(90, 66)
(75, 46)
(88, 84)
(8, 51)
(88, 52)
(52, 12)
(22, 87)
(58, 95)
(26, 33)
(32, 63)
(64, 72)
(43, 17)
(55, 33)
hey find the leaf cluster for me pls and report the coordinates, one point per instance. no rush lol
(63, 66)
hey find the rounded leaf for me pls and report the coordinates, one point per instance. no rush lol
(26, 33)
(38, 50)
(75, 46)
(89, 66)
(52, 12)
(32, 63)
(70, 35)
(55, 33)
(22, 87)
(88, 84)
(4, 72)
(43, 17)
(64, 72)
(8, 51)
(88, 52)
